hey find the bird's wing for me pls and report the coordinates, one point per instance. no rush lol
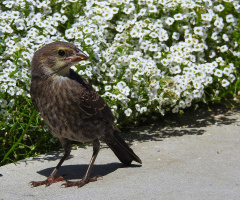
(90, 101)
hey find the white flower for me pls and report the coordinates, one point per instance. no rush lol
(169, 21)
(164, 62)
(236, 5)
(87, 30)
(214, 64)
(63, 19)
(182, 104)
(198, 30)
(8, 4)
(175, 109)
(3, 103)
(218, 72)
(209, 80)
(78, 35)
(10, 43)
(137, 106)
(4, 112)
(88, 41)
(219, 8)
(225, 82)
(157, 55)
(11, 91)
(230, 18)
(134, 33)
(40, 39)
(231, 78)
(193, 58)
(108, 87)
(152, 26)
(26, 55)
(120, 28)
(219, 23)
(142, 12)
(121, 84)
(197, 85)
(143, 109)
(153, 47)
(223, 48)
(107, 15)
(206, 16)
(125, 91)
(144, 45)
(178, 16)
(175, 36)
(128, 112)
(220, 60)
(20, 24)
(127, 10)
(212, 54)
(163, 37)
(153, 9)
(134, 95)
(153, 35)
(3, 87)
(98, 10)
(88, 73)
(175, 70)
(197, 93)
(225, 37)
(69, 34)
(227, 71)
(133, 65)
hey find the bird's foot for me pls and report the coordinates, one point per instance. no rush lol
(81, 183)
(47, 182)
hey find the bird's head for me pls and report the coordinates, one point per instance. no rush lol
(55, 59)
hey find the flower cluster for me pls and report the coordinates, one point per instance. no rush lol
(146, 55)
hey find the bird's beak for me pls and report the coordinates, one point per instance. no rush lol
(78, 56)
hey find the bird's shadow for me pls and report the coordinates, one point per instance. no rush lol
(78, 171)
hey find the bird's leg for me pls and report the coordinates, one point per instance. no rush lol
(51, 179)
(86, 179)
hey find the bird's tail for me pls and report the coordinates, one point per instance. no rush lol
(120, 148)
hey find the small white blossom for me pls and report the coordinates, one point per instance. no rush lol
(225, 37)
(178, 16)
(88, 41)
(230, 18)
(169, 21)
(219, 8)
(218, 72)
(223, 48)
(128, 112)
(225, 82)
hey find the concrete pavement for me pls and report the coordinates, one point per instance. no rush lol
(195, 157)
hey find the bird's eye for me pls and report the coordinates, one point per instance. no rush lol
(61, 52)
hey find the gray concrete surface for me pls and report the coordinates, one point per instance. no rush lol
(195, 157)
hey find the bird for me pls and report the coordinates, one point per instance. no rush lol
(72, 109)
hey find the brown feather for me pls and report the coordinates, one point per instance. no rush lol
(69, 105)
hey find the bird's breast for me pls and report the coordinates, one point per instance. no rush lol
(58, 102)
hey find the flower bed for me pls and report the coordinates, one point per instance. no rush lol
(145, 56)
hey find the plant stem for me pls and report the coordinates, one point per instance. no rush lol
(21, 137)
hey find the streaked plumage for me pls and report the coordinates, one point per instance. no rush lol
(71, 108)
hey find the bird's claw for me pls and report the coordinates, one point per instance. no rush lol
(47, 182)
(81, 182)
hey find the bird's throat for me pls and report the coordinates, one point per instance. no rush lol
(64, 72)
